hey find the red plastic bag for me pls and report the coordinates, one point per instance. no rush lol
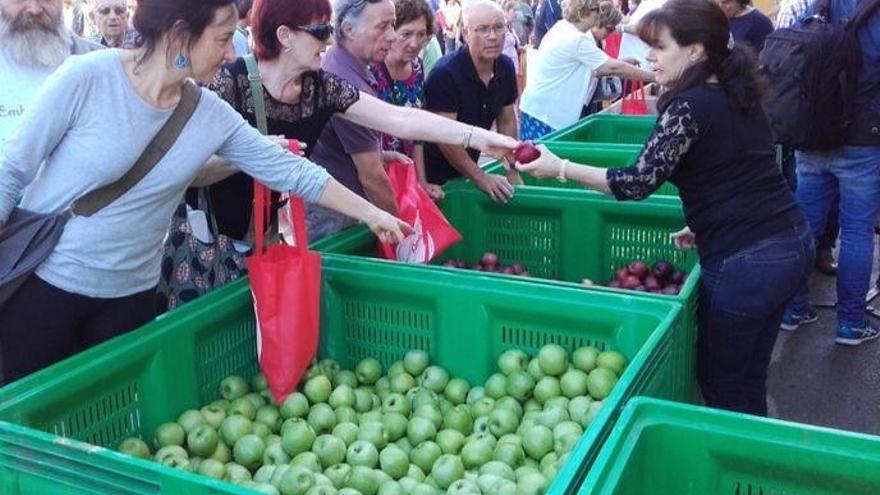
(634, 102)
(286, 286)
(432, 233)
(612, 44)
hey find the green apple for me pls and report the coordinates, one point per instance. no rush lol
(503, 421)
(236, 473)
(415, 473)
(476, 453)
(396, 403)
(370, 417)
(434, 378)
(268, 397)
(611, 360)
(212, 469)
(401, 383)
(511, 404)
(296, 405)
(272, 439)
(363, 400)
(457, 390)
(592, 412)
(534, 369)
(256, 399)
(475, 394)
(550, 465)
(338, 474)
(318, 489)
(553, 360)
(431, 413)
(538, 442)
(567, 428)
(509, 453)
(248, 451)
(489, 483)
(499, 469)
(512, 360)
(383, 387)
(235, 427)
(481, 425)
(532, 405)
(511, 438)
(275, 454)
(404, 445)
(322, 418)
(135, 447)
(329, 449)
(345, 377)
(531, 484)
(526, 470)
(269, 416)
(578, 407)
(395, 369)
(296, 481)
(496, 386)
(169, 434)
(261, 431)
(558, 402)
(190, 419)
(394, 461)
(552, 416)
(459, 418)
(420, 429)
(416, 361)
(573, 383)
(362, 479)
(447, 470)
(288, 424)
(368, 371)
(264, 474)
(264, 488)
(565, 443)
(259, 383)
(214, 415)
(547, 388)
(375, 433)
(362, 453)
(392, 488)
(330, 367)
(424, 455)
(347, 432)
(318, 389)
(483, 407)
(308, 460)
(170, 451)
(342, 396)
(346, 415)
(298, 438)
(450, 441)
(233, 387)
(202, 440)
(584, 358)
(600, 382)
(520, 385)
(464, 487)
(425, 489)
(395, 425)
(445, 406)
(420, 396)
(243, 407)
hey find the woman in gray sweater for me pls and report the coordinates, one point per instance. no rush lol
(90, 122)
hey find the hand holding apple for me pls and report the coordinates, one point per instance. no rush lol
(544, 166)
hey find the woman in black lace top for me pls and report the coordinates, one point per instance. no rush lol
(289, 38)
(712, 141)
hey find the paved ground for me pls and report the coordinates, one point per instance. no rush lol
(814, 381)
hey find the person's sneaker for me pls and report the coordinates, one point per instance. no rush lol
(791, 321)
(847, 335)
(825, 262)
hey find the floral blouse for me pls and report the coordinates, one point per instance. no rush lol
(407, 93)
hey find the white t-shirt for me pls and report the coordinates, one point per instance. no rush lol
(631, 46)
(562, 78)
(18, 85)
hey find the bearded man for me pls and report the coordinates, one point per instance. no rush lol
(34, 41)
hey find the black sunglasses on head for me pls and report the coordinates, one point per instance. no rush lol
(319, 31)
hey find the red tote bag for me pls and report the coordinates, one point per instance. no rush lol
(635, 103)
(432, 233)
(286, 286)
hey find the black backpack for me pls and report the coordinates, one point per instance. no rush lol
(813, 71)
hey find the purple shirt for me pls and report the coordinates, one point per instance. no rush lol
(341, 138)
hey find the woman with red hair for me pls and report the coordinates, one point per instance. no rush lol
(289, 37)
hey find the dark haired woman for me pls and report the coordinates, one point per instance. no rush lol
(713, 142)
(289, 37)
(100, 280)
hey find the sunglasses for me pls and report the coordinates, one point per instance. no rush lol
(319, 31)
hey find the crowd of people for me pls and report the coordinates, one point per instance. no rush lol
(350, 87)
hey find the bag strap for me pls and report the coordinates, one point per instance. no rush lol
(256, 81)
(863, 14)
(94, 201)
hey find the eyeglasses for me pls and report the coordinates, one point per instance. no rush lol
(484, 30)
(319, 31)
(116, 10)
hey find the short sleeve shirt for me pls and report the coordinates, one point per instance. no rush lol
(409, 93)
(341, 138)
(751, 28)
(454, 87)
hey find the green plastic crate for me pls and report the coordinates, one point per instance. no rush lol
(562, 237)
(596, 154)
(132, 384)
(620, 129)
(659, 447)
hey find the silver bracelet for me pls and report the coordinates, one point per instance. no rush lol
(467, 139)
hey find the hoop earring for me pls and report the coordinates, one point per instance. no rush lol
(181, 62)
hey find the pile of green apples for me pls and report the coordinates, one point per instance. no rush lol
(414, 430)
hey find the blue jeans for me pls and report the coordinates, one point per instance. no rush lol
(853, 173)
(742, 300)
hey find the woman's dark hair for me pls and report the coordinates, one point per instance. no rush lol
(183, 20)
(412, 10)
(700, 21)
(244, 8)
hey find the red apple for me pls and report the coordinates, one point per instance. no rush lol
(518, 268)
(663, 269)
(639, 269)
(526, 152)
(652, 283)
(489, 259)
(622, 274)
(631, 282)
